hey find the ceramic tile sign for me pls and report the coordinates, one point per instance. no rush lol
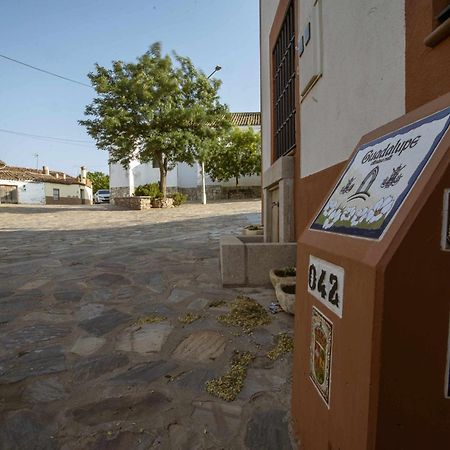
(379, 177)
(320, 353)
(326, 283)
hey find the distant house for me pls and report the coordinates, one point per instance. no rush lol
(185, 178)
(43, 187)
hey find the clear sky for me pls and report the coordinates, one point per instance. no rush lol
(67, 37)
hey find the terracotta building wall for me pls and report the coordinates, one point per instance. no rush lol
(427, 69)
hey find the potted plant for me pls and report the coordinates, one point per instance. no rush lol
(284, 275)
(286, 297)
(253, 230)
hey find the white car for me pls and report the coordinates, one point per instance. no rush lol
(101, 196)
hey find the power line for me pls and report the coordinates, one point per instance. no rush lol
(59, 140)
(42, 136)
(45, 71)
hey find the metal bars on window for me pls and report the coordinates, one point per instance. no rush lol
(283, 57)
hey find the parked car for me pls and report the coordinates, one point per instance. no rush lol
(101, 196)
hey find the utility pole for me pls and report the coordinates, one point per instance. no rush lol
(216, 69)
(36, 155)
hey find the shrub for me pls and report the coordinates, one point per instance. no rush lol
(178, 198)
(149, 190)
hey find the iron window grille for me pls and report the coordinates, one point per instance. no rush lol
(284, 68)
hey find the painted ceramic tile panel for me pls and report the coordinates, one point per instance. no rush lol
(320, 353)
(379, 177)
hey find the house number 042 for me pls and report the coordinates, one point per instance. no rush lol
(321, 285)
(326, 282)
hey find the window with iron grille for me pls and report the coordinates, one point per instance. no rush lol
(283, 58)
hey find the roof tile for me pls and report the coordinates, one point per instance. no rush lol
(26, 174)
(246, 119)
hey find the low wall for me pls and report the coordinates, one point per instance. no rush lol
(246, 260)
(217, 192)
(213, 192)
(136, 203)
(118, 192)
(67, 201)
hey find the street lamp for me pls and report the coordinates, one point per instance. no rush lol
(216, 69)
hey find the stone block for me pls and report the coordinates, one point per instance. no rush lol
(144, 339)
(260, 258)
(232, 261)
(246, 263)
(200, 346)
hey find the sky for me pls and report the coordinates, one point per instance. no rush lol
(68, 37)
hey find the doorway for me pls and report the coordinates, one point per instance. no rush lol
(8, 194)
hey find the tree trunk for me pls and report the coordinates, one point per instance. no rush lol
(237, 181)
(163, 180)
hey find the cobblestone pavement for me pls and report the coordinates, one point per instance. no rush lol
(79, 370)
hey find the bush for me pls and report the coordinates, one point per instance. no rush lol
(178, 198)
(149, 190)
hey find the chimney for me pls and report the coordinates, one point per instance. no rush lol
(45, 170)
(56, 175)
(83, 173)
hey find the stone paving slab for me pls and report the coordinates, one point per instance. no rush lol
(82, 365)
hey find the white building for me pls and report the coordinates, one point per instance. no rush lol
(185, 178)
(40, 187)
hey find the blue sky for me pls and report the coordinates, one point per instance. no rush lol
(68, 37)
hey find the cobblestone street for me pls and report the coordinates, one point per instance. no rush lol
(81, 364)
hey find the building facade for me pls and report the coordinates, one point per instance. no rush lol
(361, 64)
(185, 178)
(30, 186)
(331, 72)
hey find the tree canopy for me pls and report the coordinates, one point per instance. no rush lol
(99, 180)
(160, 108)
(237, 155)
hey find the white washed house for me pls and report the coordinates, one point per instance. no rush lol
(184, 178)
(40, 187)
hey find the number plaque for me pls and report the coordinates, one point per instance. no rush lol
(326, 283)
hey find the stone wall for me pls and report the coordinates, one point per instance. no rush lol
(118, 192)
(217, 192)
(67, 201)
(136, 203)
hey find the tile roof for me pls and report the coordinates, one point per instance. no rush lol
(25, 174)
(246, 119)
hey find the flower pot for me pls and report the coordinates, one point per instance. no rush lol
(286, 297)
(278, 276)
(253, 230)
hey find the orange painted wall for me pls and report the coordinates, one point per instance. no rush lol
(427, 69)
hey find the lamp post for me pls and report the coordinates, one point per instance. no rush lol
(216, 69)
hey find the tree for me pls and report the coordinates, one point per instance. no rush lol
(99, 180)
(237, 155)
(160, 109)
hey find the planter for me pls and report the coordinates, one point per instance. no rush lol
(278, 276)
(286, 297)
(253, 230)
(162, 203)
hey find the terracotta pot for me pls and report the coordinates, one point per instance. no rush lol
(277, 277)
(286, 297)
